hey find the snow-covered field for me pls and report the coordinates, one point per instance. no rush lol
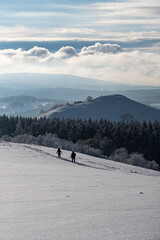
(46, 198)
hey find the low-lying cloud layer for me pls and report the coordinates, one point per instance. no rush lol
(101, 48)
(65, 52)
(101, 61)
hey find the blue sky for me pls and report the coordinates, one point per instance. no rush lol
(88, 20)
(126, 23)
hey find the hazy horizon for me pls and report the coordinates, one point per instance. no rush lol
(27, 80)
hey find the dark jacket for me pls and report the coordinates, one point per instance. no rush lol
(59, 151)
(73, 155)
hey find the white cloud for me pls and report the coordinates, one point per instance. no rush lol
(128, 67)
(129, 8)
(37, 52)
(101, 48)
(66, 52)
(127, 22)
(33, 52)
(22, 33)
(11, 52)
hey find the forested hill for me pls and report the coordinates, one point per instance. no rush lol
(113, 108)
(135, 136)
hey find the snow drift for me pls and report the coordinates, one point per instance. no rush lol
(43, 197)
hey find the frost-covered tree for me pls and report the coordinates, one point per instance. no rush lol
(119, 155)
(89, 98)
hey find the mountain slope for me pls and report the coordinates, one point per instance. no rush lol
(43, 197)
(114, 108)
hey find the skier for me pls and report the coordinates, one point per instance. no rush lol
(73, 156)
(59, 152)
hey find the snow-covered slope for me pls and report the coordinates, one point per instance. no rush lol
(113, 107)
(45, 198)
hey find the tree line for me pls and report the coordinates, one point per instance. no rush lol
(135, 136)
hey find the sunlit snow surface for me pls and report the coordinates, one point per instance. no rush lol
(46, 198)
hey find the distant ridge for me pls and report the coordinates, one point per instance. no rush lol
(112, 107)
(44, 80)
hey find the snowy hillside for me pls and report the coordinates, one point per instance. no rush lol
(113, 107)
(45, 198)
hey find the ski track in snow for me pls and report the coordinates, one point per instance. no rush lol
(104, 167)
(44, 197)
